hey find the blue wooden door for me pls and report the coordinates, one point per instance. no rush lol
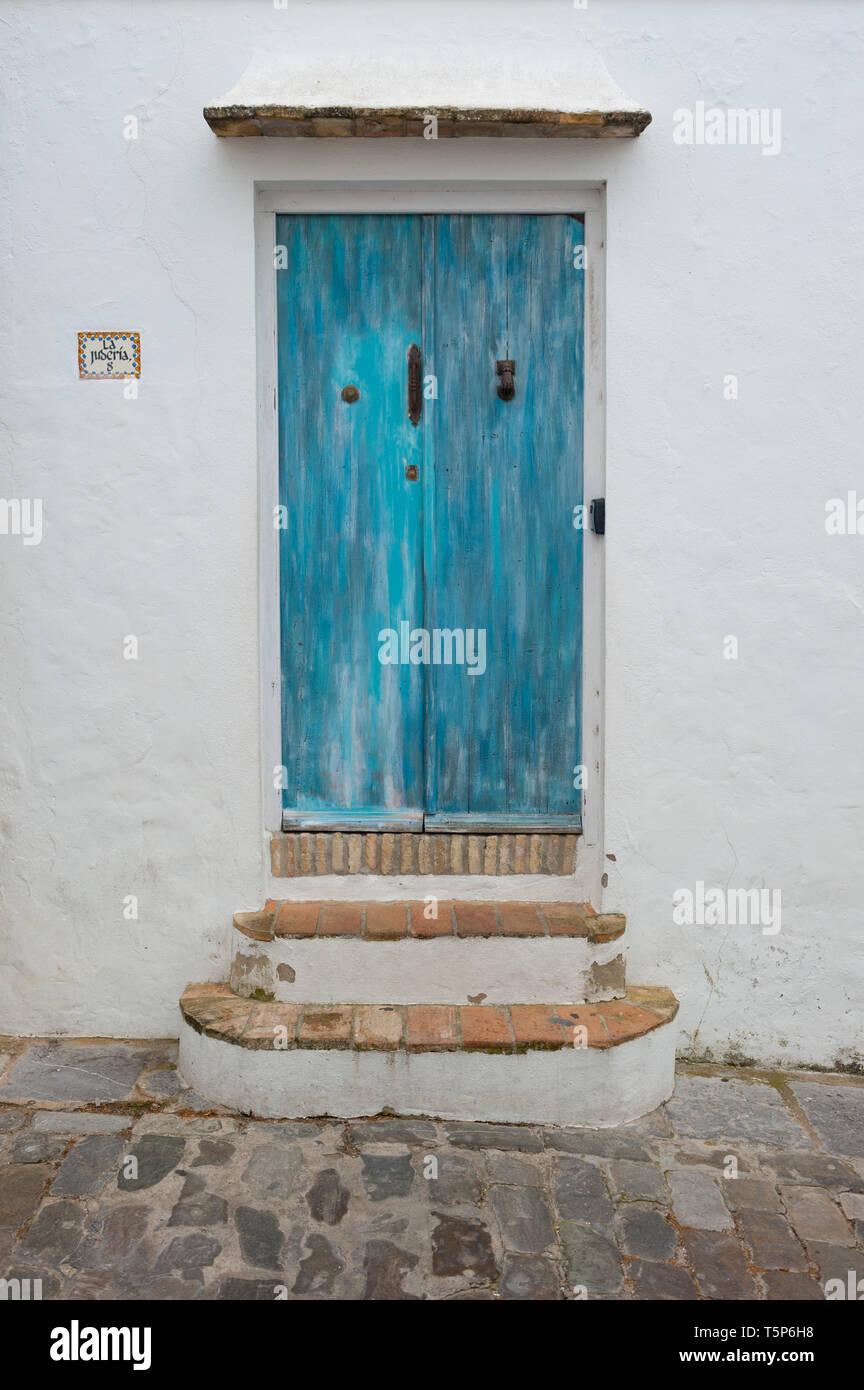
(453, 534)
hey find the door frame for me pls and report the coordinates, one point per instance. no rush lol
(441, 196)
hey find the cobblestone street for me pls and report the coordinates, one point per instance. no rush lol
(746, 1185)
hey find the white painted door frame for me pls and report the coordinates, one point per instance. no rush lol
(452, 195)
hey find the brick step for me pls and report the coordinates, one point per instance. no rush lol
(392, 952)
(589, 1064)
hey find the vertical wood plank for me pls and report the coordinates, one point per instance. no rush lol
(503, 479)
(351, 554)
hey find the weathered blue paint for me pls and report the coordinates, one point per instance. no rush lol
(351, 552)
(502, 479)
(485, 539)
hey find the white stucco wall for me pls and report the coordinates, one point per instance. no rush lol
(142, 777)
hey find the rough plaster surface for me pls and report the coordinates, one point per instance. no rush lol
(442, 971)
(142, 777)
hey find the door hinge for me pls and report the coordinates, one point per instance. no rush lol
(598, 516)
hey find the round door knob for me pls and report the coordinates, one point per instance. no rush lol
(350, 394)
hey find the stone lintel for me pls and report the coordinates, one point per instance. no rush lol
(339, 122)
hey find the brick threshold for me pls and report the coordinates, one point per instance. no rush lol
(304, 854)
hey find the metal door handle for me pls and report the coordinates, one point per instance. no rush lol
(506, 386)
(415, 384)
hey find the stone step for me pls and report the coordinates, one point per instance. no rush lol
(393, 953)
(589, 1064)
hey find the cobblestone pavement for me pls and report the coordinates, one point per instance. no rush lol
(220, 1206)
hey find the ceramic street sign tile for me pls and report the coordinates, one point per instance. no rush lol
(103, 355)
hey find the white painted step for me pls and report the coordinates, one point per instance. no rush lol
(383, 953)
(227, 1054)
(489, 970)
